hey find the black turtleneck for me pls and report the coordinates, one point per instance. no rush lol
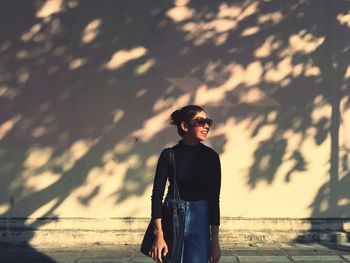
(198, 176)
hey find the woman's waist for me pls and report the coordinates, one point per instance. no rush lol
(189, 195)
(189, 203)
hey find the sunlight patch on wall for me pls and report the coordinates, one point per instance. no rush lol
(222, 25)
(250, 76)
(344, 19)
(49, 7)
(281, 71)
(304, 43)
(28, 36)
(323, 206)
(117, 115)
(180, 13)
(35, 52)
(344, 138)
(39, 131)
(253, 73)
(201, 32)
(124, 146)
(212, 97)
(39, 181)
(91, 31)
(37, 157)
(145, 67)
(343, 202)
(215, 27)
(8, 93)
(347, 73)
(152, 126)
(311, 71)
(100, 190)
(321, 109)
(159, 122)
(250, 31)
(122, 57)
(300, 43)
(270, 18)
(229, 11)
(252, 95)
(4, 208)
(77, 63)
(4, 46)
(162, 103)
(78, 149)
(248, 10)
(22, 75)
(238, 158)
(8, 125)
(151, 161)
(43, 211)
(140, 93)
(267, 47)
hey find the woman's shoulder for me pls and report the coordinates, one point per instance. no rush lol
(165, 152)
(210, 151)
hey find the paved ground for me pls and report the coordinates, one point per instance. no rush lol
(312, 253)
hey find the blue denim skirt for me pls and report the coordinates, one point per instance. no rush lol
(195, 247)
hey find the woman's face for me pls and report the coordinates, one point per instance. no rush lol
(195, 130)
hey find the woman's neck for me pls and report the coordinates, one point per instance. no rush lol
(190, 141)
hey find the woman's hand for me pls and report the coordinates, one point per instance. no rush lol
(159, 245)
(214, 251)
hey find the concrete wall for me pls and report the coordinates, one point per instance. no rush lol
(87, 88)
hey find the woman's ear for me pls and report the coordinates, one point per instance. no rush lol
(184, 126)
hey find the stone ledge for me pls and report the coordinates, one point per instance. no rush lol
(88, 231)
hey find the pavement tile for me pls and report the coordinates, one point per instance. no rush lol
(226, 252)
(271, 253)
(265, 259)
(228, 259)
(302, 246)
(143, 259)
(347, 257)
(105, 260)
(259, 252)
(317, 258)
(309, 252)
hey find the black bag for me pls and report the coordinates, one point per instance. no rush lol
(173, 219)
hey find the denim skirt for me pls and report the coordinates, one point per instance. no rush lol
(195, 248)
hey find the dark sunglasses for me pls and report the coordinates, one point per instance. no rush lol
(200, 122)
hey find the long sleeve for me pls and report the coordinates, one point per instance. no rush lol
(214, 198)
(159, 182)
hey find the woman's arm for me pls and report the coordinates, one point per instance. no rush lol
(158, 227)
(214, 233)
(159, 248)
(214, 193)
(159, 184)
(214, 210)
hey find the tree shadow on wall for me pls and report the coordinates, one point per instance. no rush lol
(81, 96)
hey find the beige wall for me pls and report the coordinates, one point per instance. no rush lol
(87, 87)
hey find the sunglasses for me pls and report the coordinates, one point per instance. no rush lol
(200, 122)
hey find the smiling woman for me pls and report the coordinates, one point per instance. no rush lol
(198, 177)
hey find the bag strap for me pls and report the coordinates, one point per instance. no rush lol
(176, 189)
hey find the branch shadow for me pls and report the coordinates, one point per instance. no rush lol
(81, 91)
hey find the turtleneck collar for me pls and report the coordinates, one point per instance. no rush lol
(188, 146)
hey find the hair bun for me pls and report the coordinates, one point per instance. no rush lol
(175, 117)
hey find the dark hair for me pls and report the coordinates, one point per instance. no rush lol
(184, 114)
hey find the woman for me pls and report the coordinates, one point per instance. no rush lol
(198, 176)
